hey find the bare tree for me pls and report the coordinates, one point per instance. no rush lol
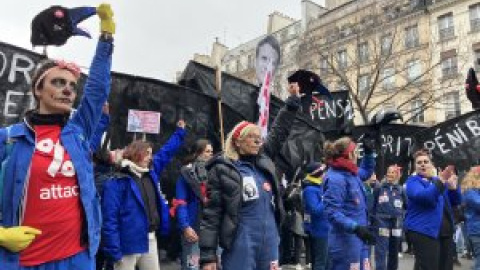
(380, 57)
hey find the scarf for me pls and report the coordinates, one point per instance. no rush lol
(343, 164)
(133, 168)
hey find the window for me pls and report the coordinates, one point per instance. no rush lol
(445, 26)
(475, 17)
(388, 78)
(342, 59)
(323, 66)
(414, 70)
(414, 3)
(239, 65)
(341, 86)
(417, 110)
(449, 66)
(452, 105)
(476, 56)
(251, 61)
(386, 45)
(363, 85)
(363, 53)
(411, 37)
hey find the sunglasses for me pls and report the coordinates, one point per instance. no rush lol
(62, 83)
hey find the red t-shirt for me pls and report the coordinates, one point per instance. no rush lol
(52, 201)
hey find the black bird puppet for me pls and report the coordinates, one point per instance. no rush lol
(473, 89)
(308, 82)
(55, 25)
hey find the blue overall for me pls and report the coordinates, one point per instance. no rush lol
(256, 242)
(388, 208)
(346, 208)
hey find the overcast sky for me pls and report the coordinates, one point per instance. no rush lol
(155, 38)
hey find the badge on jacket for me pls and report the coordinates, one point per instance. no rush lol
(249, 189)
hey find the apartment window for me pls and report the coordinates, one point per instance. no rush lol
(342, 59)
(323, 66)
(363, 52)
(414, 70)
(476, 55)
(341, 86)
(446, 29)
(475, 17)
(251, 61)
(386, 44)
(449, 66)
(411, 37)
(414, 3)
(363, 85)
(388, 79)
(416, 107)
(452, 105)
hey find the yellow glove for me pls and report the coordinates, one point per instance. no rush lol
(17, 238)
(105, 12)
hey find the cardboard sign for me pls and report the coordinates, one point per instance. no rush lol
(143, 121)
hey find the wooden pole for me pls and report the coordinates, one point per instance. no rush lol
(218, 86)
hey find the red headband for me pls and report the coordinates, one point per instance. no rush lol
(72, 67)
(239, 128)
(350, 148)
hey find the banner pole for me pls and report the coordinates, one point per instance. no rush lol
(218, 86)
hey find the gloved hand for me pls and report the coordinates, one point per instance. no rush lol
(105, 12)
(293, 103)
(365, 235)
(17, 238)
(368, 142)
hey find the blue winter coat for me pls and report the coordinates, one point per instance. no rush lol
(425, 205)
(316, 222)
(102, 126)
(345, 198)
(471, 198)
(187, 214)
(388, 201)
(75, 137)
(125, 222)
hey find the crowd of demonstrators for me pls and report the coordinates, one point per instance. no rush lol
(429, 219)
(190, 198)
(389, 202)
(345, 204)
(50, 211)
(316, 223)
(244, 208)
(133, 206)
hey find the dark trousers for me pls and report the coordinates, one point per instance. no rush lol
(319, 252)
(430, 253)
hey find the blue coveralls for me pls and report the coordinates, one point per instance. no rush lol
(389, 201)
(345, 205)
(256, 243)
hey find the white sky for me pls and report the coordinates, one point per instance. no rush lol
(154, 38)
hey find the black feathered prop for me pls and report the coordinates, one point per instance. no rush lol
(55, 25)
(308, 82)
(473, 89)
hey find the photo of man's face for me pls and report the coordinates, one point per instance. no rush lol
(267, 54)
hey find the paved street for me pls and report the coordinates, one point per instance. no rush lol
(406, 263)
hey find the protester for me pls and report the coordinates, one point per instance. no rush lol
(345, 204)
(316, 223)
(244, 207)
(429, 220)
(49, 173)
(190, 198)
(133, 207)
(471, 195)
(388, 208)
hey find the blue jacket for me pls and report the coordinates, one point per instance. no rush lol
(345, 198)
(75, 137)
(425, 205)
(187, 214)
(388, 201)
(125, 223)
(471, 198)
(102, 126)
(316, 222)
